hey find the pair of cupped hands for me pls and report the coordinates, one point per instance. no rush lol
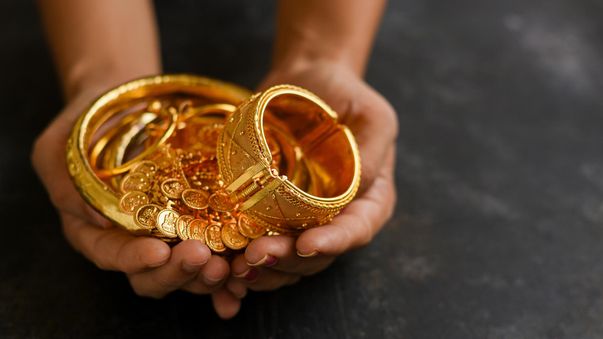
(154, 269)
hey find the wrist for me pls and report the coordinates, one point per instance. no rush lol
(298, 65)
(310, 74)
(300, 47)
(303, 60)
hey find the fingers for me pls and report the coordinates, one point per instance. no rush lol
(225, 303)
(184, 265)
(279, 253)
(211, 276)
(114, 249)
(237, 287)
(258, 278)
(358, 222)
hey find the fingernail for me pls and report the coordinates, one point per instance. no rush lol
(307, 255)
(252, 274)
(240, 275)
(267, 261)
(270, 261)
(210, 281)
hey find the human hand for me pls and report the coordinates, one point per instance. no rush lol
(152, 267)
(272, 262)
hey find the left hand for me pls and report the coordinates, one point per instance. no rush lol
(151, 266)
(272, 262)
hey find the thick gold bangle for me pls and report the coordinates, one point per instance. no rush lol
(326, 149)
(95, 191)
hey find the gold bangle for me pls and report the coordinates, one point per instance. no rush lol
(116, 132)
(122, 168)
(326, 149)
(96, 192)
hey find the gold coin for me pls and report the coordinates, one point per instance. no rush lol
(182, 224)
(147, 167)
(130, 201)
(146, 215)
(196, 230)
(232, 238)
(172, 188)
(135, 182)
(166, 222)
(250, 228)
(213, 238)
(220, 201)
(195, 199)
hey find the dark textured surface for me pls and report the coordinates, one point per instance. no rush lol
(500, 180)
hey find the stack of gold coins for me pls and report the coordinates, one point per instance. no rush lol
(177, 192)
(181, 157)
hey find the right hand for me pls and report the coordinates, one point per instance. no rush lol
(152, 267)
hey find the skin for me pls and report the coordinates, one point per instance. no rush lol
(320, 45)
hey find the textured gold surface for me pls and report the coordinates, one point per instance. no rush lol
(325, 151)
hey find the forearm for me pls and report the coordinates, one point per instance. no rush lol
(101, 43)
(340, 31)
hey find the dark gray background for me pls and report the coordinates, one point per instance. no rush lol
(498, 228)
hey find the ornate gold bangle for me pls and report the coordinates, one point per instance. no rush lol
(325, 149)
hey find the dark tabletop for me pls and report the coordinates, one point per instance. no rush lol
(499, 222)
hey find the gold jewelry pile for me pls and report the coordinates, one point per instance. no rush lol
(182, 157)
